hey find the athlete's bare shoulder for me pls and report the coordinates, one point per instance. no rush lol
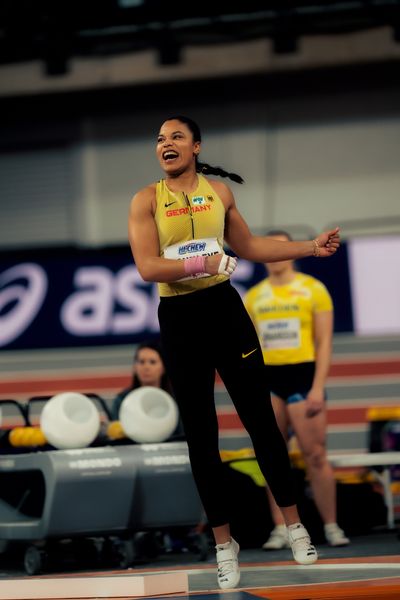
(145, 193)
(144, 199)
(223, 191)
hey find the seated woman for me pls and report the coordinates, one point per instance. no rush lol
(149, 370)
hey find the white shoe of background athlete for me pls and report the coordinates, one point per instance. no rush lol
(335, 536)
(228, 566)
(304, 552)
(278, 539)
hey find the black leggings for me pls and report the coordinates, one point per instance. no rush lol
(207, 330)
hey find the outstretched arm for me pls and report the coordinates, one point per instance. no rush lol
(263, 249)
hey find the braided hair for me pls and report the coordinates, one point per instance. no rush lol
(202, 167)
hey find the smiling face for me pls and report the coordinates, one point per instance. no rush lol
(176, 150)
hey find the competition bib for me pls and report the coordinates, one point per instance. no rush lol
(202, 247)
(280, 333)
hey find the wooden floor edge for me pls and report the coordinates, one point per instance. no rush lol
(367, 589)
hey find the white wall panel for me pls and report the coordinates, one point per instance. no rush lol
(375, 275)
(123, 167)
(329, 173)
(37, 191)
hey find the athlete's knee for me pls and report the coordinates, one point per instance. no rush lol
(316, 458)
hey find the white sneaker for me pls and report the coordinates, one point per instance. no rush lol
(278, 539)
(228, 567)
(335, 536)
(304, 552)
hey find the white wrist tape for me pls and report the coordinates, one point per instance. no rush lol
(227, 265)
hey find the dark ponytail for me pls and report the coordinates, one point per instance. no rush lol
(200, 166)
(209, 170)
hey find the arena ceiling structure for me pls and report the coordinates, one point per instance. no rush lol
(56, 32)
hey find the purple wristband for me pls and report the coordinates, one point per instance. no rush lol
(194, 265)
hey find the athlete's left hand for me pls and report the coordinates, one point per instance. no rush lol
(227, 265)
(314, 402)
(220, 264)
(328, 242)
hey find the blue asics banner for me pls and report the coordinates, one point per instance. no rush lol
(60, 297)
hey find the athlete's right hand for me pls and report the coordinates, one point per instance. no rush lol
(327, 243)
(220, 264)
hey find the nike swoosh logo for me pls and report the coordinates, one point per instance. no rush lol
(248, 353)
(169, 204)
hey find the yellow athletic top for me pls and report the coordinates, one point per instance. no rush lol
(189, 225)
(283, 317)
